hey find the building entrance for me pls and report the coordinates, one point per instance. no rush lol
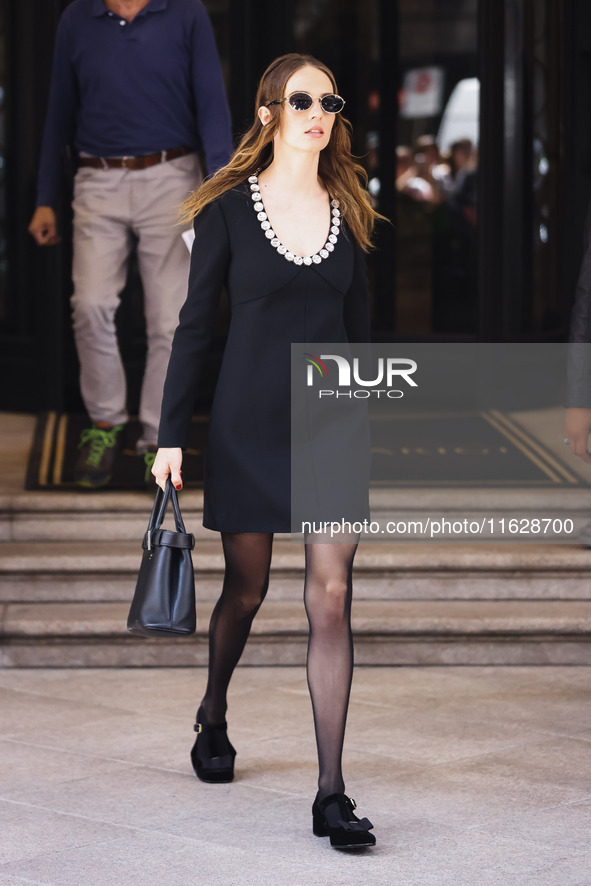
(469, 116)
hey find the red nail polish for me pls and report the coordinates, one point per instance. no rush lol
(178, 487)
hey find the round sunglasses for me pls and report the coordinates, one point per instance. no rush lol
(302, 101)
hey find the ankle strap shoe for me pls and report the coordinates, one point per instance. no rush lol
(334, 817)
(212, 754)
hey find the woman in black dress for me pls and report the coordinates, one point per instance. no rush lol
(283, 227)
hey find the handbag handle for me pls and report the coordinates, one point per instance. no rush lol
(160, 505)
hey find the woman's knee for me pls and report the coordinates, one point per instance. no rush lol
(329, 605)
(248, 598)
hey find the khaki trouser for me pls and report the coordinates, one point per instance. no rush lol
(111, 206)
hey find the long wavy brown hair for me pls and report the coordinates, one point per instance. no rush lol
(344, 179)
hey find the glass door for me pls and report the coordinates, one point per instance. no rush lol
(436, 173)
(409, 71)
(4, 301)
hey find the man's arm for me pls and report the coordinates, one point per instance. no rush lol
(58, 133)
(213, 113)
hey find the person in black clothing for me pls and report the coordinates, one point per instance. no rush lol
(284, 226)
(578, 413)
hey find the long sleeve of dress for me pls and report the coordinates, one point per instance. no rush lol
(209, 263)
(357, 315)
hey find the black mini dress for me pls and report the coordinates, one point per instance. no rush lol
(274, 302)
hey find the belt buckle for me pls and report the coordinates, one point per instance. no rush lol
(124, 162)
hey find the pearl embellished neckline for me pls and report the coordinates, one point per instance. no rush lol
(315, 259)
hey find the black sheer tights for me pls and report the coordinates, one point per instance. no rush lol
(248, 558)
(327, 598)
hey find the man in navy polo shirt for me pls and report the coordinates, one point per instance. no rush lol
(136, 88)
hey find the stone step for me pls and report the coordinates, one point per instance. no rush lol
(62, 516)
(106, 516)
(69, 560)
(386, 632)
(106, 571)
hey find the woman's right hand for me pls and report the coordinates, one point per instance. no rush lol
(168, 461)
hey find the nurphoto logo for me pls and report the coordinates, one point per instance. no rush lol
(389, 370)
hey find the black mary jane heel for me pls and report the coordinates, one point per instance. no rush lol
(334, 817)
(212, 755)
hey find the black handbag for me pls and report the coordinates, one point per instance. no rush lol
(163, 604)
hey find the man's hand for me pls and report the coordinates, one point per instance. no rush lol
(169, 461)
(577, 429)
(43, 226)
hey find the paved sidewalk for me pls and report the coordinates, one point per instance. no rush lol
(472, 776)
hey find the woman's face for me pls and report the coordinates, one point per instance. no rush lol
(306, 130)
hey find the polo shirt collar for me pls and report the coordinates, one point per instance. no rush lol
(98, 7)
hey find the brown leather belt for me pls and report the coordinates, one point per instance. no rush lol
(134, 162)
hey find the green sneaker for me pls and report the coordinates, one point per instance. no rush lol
(99, 448)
